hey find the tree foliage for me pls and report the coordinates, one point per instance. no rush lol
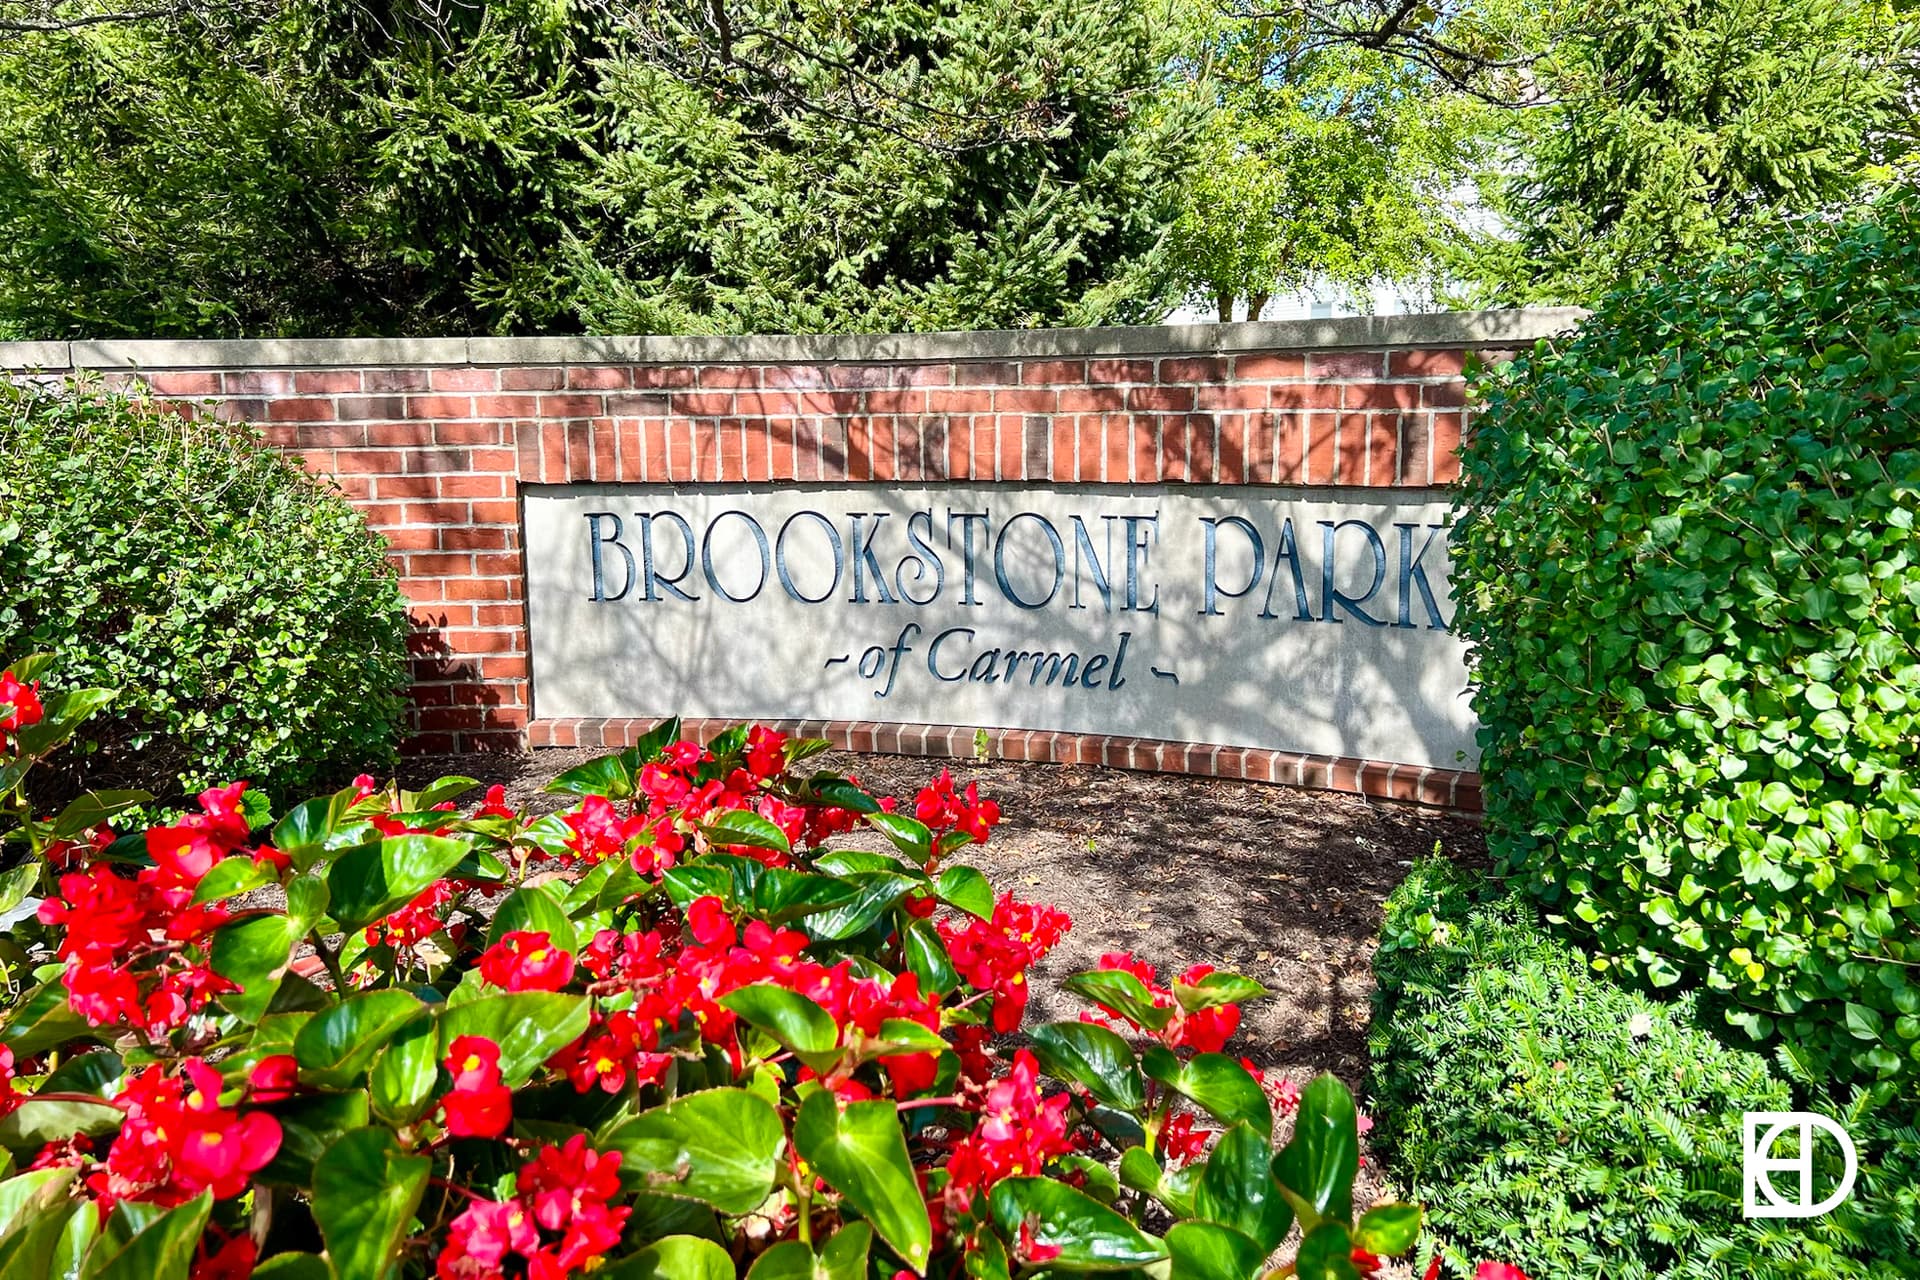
(247, 167)
(1672, 129)
(1321, 166)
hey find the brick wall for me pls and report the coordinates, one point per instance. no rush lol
(433, 439)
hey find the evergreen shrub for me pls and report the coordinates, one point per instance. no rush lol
(1548, 1115)
(1688, 565)
(243, 609)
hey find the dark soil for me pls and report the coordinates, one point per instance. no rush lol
(1280, 884)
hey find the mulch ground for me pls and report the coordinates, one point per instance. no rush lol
(1280, 884)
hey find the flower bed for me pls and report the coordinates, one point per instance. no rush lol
(692, 1040)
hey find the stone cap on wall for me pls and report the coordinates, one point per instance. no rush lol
(1447, 329)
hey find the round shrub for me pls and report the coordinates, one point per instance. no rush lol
(1687, 561)
(1547, 1115)
(244, 612)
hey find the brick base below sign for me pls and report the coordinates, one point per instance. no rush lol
(1446, 788)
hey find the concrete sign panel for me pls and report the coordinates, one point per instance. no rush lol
(1306, 620)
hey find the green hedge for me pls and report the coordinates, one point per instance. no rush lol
(1552, 1118)
(244, 611)
(1688, 563)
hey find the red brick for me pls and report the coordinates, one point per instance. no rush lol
(793, 375)
(490, 589)
(986, 373)
(1306, 396)
(370, 408)
(1010, 457)
(806, 449)
(1350, 454)
(1289, 447)
(1415, 449)
(185, 384)
(408, 487)
(1099, 371)
(1201, 450)
(1165, 399)
(421, 539)
(884, 447)
(1094, 399)
(1446, 448)
(573, 406)
(395, 380)
(933, 448)
(440, 406)
(300, 411)
(1175, 433)
(240, 410)
(731, 441)
(436, 513)
(1232, 454)
(770, 450)
(1116, 434)
(604, 441)
(507, 406)
(1380, 395)
(1025, 400)
(503, 668)
(1383, 448)
(908, 449)
(533, 378)
(464, 379)
(1052, 371)
(1146, 453)
(1466, 794)
(1193, 369)
(599, 377)
(466, 642)
(1288, 365)
(468, 433)
(472, 539)
(895, 400)
(662, 376)
(428, 744)
(1347, 364)
(1066, 454)
(579, 441)
(1426, 364)
(766, 403)
(471, 486)
(369, 462)
(438, 460)
(959, 448)
(328, 436)
(257, 382)
(454, 718)
(960, 401)
(326, 382)
(1443, 395)
(704, 464)
(1233, 395)
(729, 375)
(653, 449)
(1320, 448)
